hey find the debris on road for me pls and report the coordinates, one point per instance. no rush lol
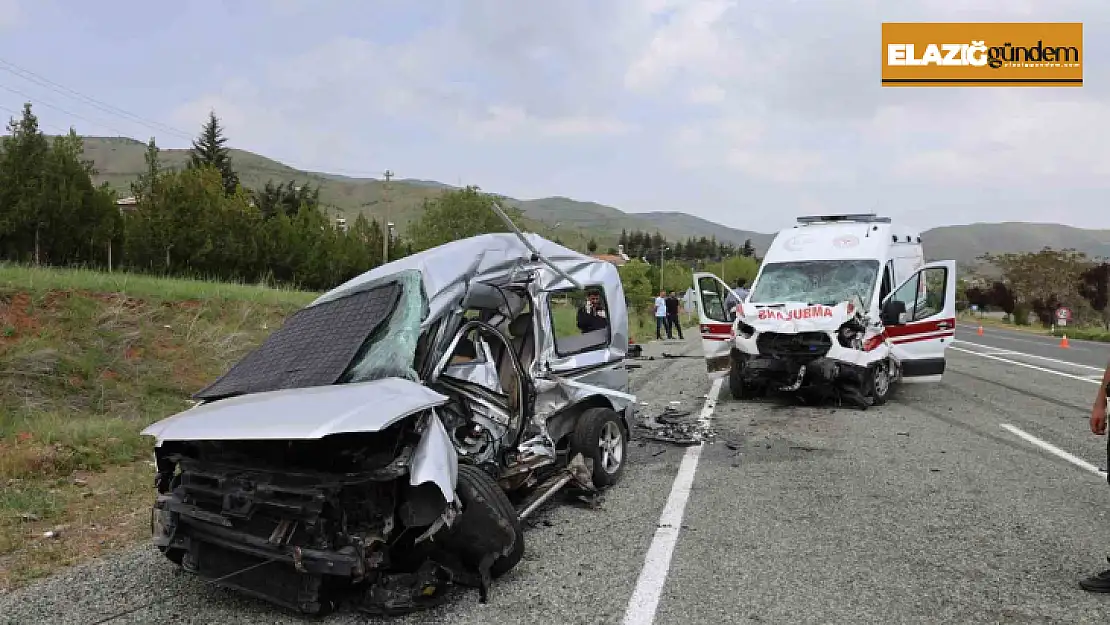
(677, 427)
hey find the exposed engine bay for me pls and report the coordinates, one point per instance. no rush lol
(342, 512)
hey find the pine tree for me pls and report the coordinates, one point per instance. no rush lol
(208, 149)
(23, 209)
(144, 186)
(591, 246)
(748, 249)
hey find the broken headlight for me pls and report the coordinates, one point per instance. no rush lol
(744, 330)
(850, 335)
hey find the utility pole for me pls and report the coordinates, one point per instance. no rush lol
(662, 251)
(386, 235)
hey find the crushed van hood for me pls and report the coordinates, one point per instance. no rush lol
(795, 317)
(300, 413)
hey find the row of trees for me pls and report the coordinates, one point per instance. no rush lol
(200, 221)
(50, 211)
(1041, 282)
(639, 244)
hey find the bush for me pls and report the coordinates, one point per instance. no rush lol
(1083, 334)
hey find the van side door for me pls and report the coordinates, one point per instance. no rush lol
(927, 326)
(714, 321)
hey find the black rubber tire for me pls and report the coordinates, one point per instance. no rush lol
(475, 485)
(586, 438)
(174, 555)
(736, 384)
(869, 388)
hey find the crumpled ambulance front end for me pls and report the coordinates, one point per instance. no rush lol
(790, 346)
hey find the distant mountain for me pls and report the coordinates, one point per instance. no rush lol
(120, 160)
(969, 241)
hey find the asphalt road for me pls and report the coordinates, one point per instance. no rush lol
(1089, 353)
(951, 503)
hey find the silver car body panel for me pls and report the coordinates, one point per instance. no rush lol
(503, 259)
(299, 413)
(434, 459)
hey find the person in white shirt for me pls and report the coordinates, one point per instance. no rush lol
(661, 315)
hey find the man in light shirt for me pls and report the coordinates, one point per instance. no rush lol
(661, 315)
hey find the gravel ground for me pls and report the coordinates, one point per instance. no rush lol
(924, 510)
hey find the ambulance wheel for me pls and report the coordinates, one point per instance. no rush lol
(879, 382)
(736, 384)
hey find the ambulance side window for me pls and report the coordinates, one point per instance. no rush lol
(884, 290)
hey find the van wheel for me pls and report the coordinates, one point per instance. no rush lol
(879, 382)
(488, 521)
(600, 437)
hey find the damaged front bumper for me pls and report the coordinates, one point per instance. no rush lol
(791, 374)
(301, 540)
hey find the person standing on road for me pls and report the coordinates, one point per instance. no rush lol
(673, 321)
(1099, 582)
(661, 316)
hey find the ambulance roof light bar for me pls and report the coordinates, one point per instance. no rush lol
(867, 218)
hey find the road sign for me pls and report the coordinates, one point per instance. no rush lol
(1063, 315)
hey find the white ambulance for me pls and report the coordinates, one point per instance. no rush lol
(842, 304)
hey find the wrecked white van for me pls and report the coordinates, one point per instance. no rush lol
(843, 305)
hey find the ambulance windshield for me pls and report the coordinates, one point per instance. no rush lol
(826, 282)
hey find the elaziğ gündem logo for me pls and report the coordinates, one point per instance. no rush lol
(949, 54)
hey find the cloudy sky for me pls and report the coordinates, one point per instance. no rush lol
(743, 112)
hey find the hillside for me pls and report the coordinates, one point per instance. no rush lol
(959, 241)
(119, 161)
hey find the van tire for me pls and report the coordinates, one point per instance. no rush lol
(594, 425)
(879, 383)
(483, 501)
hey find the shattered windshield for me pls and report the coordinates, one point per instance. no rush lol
(827, 282)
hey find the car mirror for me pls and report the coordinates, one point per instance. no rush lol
(894, 313)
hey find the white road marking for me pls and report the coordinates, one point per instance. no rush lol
(1006, 337)
(1010, 352)
(1052, 449)
(1025, 364)
(649, 587)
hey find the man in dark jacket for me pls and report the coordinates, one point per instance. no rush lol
(673, 305)
(591, 315)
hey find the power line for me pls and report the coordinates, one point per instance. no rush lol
(27, 74)
(16, 113)
(62, 110)
(125, 115)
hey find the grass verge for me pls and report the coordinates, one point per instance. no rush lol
(1083, 333)
(86, 360)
